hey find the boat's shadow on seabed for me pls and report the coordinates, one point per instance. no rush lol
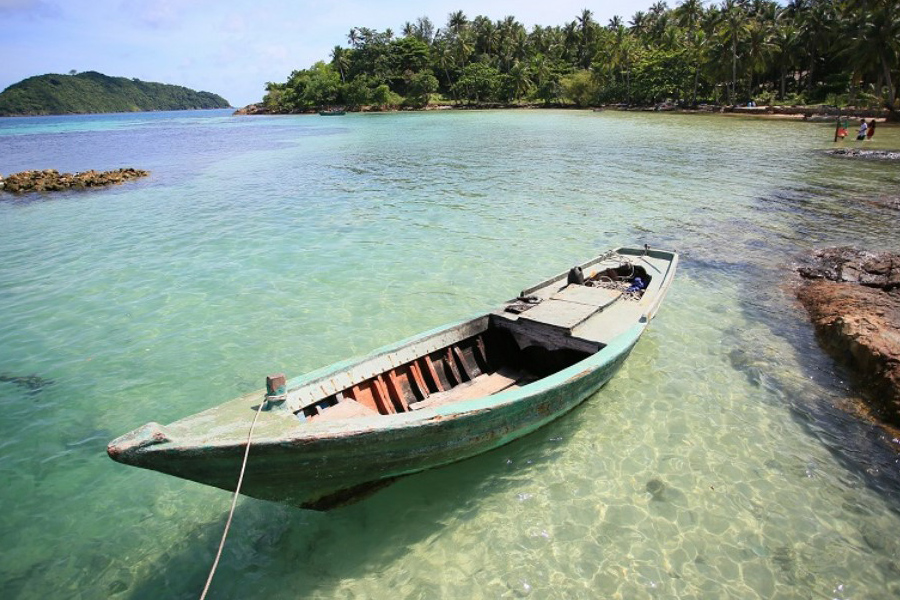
(271, 546)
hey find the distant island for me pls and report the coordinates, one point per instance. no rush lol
(92, 92)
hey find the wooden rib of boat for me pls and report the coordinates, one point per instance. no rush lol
(325, 438)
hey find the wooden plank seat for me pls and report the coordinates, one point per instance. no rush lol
(483, 385)
(570, 307)
(345, 409)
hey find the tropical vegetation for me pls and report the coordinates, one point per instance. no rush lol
(843, 52)
(92, 92)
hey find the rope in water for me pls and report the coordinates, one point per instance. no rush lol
(237, 490)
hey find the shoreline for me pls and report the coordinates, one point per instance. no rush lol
(811, 113)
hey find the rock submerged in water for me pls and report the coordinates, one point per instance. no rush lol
(51, 180)
(32, 383)
(853, 299)
(870, 154)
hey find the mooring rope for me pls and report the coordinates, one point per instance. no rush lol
(237, 490)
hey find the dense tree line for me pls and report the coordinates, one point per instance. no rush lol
(805, 52)
(92, 92)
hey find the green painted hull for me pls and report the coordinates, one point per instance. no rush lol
(324, 464)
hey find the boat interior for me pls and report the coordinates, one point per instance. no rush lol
(528, 338)
(481, 365)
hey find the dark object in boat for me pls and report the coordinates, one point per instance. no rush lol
(576, 275)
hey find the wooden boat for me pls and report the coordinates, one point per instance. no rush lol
(333, 112)
(327, 437)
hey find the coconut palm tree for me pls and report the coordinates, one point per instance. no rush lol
(785, 39)
(733, 27)
(760, 47)
(353, 37)
(875, 43)
(639, 23)
(658, 21)
(464, 46)
(520, 80)
(688, 15)
(816, 20)
(457, 23)
(570, 42)
(586, 37)
(340, 61)
(425, 30)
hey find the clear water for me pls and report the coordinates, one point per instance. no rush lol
(714, 465)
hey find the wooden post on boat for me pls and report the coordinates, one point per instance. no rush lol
(837, 126)
(276, 389)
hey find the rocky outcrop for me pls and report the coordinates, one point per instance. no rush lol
(253, 109)
(870, 154)
(853, 299)
(51, 180)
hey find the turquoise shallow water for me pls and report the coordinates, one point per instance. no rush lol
(714, 465)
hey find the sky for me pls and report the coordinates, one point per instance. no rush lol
(229, 47)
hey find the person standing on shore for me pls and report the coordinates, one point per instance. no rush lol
(861, 135)
(871, 130)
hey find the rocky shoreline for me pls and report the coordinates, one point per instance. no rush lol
(51, 180)
(869, 154)
(853, 299)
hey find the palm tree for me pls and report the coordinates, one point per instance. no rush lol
(816, 18)
(622, 51)
(445, 59)
(570, 41)
(457, 22)
(485, 39)
(520, 80)
(425, 30)
(538, 39)
(658, 17)
(463, 48)
(759, 47)
(510, 35)
(340, 61)
(785, 41)
(353, 37)
(586, 25)
(639, 24)
(734, 27)
(877, 42)
(688, 16)
(541, 69)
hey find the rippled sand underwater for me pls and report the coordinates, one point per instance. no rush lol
(714, 465)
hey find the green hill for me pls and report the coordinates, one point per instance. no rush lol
(92, 92)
